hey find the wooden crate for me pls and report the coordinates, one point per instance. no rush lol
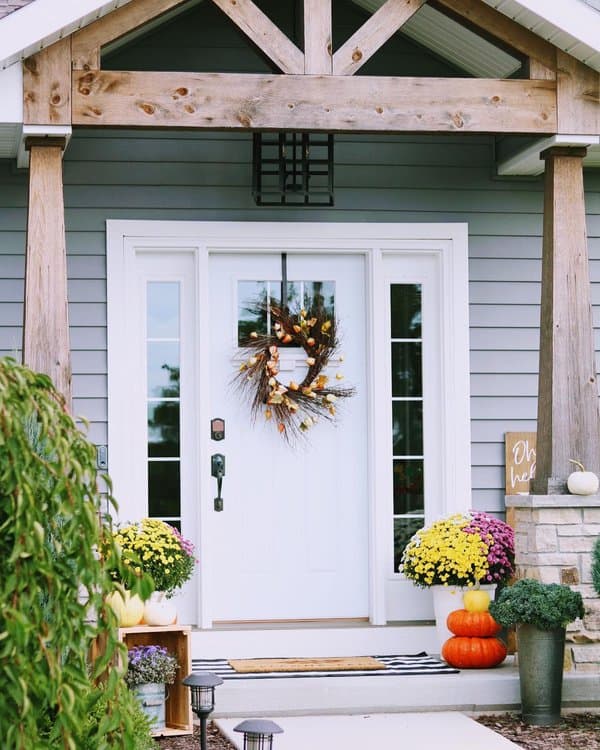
(176, 638)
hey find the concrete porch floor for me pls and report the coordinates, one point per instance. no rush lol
(475, 690)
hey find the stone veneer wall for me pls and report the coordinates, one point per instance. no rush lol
(554, 537)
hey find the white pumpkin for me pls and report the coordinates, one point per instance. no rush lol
(582, 482)
(129, 610)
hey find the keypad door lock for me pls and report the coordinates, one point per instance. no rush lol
(217, 470)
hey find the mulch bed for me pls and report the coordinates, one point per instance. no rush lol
(216, 741)
(576, 731)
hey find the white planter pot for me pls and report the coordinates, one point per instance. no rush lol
(445, 600)
(159, 610)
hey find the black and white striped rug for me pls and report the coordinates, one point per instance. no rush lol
(405, 665)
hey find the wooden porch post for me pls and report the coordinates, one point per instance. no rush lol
(46, 320)
(568, 423)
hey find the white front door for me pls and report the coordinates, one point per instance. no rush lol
(312, 530)
(292, 540)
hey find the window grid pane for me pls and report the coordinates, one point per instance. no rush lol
(163, 403)
(407, 414)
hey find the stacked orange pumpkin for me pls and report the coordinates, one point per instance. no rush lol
(474, 644)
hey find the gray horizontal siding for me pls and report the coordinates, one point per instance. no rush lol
(504, 218)
(207, 176)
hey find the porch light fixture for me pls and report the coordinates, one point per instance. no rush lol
(258, 733)
(292, 169)
(202, 687)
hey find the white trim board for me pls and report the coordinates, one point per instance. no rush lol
(528, 162)
(446, 243)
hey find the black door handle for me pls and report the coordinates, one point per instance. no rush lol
(217, 470)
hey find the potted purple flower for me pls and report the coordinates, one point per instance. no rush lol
(149, 670)
(500, 538)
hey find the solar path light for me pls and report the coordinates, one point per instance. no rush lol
(202, 687)
(258, 733)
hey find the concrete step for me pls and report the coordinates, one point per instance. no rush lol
(475, 691)
(352, 639)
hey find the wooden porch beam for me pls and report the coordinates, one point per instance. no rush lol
(568, 423)
(264, 33)
(47, 86)
(317, 37)
(317, 103)
(502, 27)
(46, 319)
(578, 97)
(373, 34)
(88, 42)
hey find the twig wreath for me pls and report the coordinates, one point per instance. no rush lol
(293, 407)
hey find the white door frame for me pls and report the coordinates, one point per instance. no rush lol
(449, 242)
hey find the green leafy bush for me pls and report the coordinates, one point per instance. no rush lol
(52, 578)
(98, 707)
(546, 605)
(596, 566)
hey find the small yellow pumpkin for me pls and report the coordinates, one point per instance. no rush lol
(129, 610)
(476, 600)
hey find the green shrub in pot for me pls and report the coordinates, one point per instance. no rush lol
(541, 612)
(546, 605)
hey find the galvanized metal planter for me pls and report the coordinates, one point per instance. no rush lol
(151, 696)
(541, 655)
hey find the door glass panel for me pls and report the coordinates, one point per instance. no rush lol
(406, 311)
(406, 368)
(408, 428)
(163, 369)
(252, 297)
(255, 297)
(164, 493)
(163, 429)
(162, 303)
(163, 402)
(319, 295)
(407, 414)
(408, 486)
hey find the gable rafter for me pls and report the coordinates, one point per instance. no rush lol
(264, 33)
(88, 42)
(373, 34)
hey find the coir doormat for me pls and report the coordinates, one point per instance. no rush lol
(400, 665)
(329, 664)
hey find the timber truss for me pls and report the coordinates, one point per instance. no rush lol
(315, 90)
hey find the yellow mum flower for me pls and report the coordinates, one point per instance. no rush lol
(158, 549)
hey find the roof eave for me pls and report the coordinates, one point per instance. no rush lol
(573, 26)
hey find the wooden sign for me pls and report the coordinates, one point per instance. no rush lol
(520, 461)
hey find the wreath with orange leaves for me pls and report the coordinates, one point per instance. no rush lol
(293, 407)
